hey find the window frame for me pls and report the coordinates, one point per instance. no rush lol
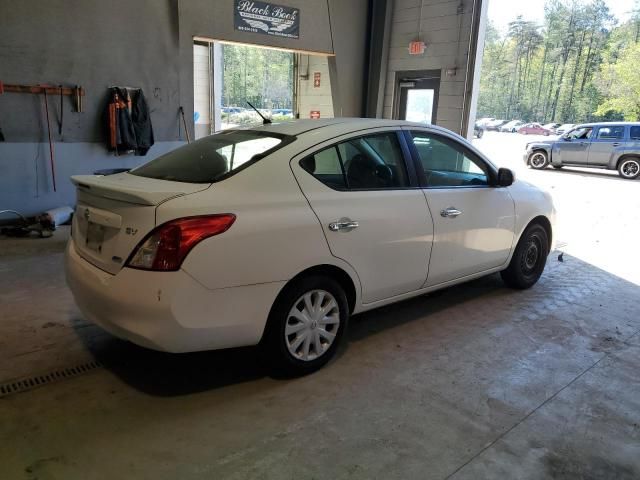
(492, 171)
(406, 159)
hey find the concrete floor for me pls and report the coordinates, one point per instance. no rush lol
(477, 381)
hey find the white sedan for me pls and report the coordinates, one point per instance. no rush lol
(275, 235)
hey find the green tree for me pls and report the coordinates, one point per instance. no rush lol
(622, 82)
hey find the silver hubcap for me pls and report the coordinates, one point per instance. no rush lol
(537, 160)
(312, 325)
(630, 168)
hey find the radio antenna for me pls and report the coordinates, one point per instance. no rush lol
(265, 120)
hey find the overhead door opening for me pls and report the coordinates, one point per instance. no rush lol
(281, 84)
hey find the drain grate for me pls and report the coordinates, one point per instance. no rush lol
(35, 381)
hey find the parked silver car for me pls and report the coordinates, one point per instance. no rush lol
(511, 127)
(614, 146)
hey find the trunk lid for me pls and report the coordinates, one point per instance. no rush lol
(114, 213)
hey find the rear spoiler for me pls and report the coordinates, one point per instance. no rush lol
(114, 188)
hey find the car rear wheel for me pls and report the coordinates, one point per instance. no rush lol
(306, 325)
(538, 160)
(529, 258)
(629, 168)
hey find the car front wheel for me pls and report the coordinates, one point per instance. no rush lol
(629, 168)
(529, 258)
(538, 160)
(306, 325)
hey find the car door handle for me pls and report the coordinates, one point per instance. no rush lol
(616, 144)
(343, 224)
(450, 212)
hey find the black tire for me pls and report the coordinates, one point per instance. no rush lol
(538, 160)
(529, 258)
(480, 133)
(275, 340)
(629, 168)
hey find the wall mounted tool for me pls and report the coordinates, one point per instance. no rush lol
(184, 122)
(78, 91)
(53, 168)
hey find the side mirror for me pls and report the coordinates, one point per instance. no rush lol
(506, 177)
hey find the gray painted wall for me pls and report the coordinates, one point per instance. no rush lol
(446, 33)
(137, 43)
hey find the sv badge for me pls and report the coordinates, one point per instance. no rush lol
(130, 231)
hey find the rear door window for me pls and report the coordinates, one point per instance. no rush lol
(370, 162)
(213, 158)
(635, 133)
(611, 133)
(374, 162)
(326, 167)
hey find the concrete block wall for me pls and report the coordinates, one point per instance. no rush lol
(446, 34)
(137, 43)
(311, 97)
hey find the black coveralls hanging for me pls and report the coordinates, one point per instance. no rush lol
(129, 126)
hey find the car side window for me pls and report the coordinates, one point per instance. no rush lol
(635, 133)
(370, 162)
(611, 133)
(579, 133)
(445, 163)
(374, 162)
(325, 166)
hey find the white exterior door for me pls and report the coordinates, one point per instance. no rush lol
(360, 191)
(474, 222)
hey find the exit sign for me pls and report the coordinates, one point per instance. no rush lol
(416, 48)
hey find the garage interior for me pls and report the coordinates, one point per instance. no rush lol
(476, 381)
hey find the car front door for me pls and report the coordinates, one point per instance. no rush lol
(371, 208)
(574, 149)
(605, 141)
(473, 221)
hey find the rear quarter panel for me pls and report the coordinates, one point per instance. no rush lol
(275, 236)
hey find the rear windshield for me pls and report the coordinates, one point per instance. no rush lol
(213, 158)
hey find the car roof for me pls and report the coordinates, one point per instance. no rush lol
(298, 127)
(599, 124)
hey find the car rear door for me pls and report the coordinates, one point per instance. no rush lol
(474, 222)
(604, 143)
(372, 211)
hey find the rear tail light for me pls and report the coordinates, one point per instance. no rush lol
(165, 248)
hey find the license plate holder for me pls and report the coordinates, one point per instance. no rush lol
(95, 237)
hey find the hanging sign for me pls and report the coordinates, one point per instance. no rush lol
(316, 79)
(315, 114)
(266, 18)
(416, 48)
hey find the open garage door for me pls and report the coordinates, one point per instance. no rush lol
(282, 84)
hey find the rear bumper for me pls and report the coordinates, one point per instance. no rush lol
(169, 311)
